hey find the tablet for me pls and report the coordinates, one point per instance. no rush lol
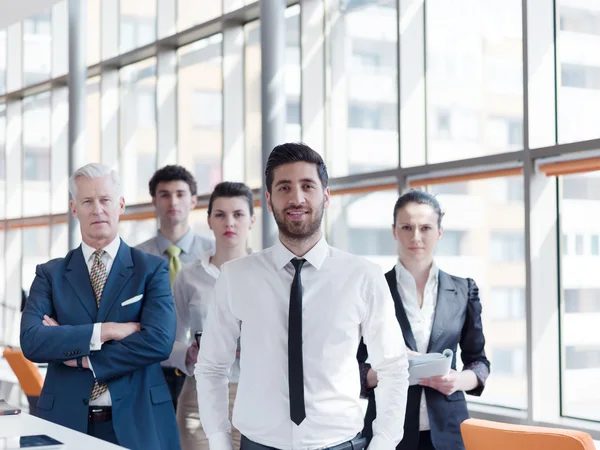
(39, 441)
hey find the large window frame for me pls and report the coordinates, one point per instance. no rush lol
(540, 144)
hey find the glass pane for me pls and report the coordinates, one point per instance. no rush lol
(362, 73)
(92, 30)
(37, 48)
(484, 240)
(2, 62)
(36, 155)
(474, 78)
(362, 224)
(252, 105)
(138, 129)
(2, 163)
(138, 23)
(193, 12)
(580, 263)
(59, 240)
(293, 83)
(200, 111)
(92, 117)
(134, 232)
(254, 169)
(579, 71)
(36, 250)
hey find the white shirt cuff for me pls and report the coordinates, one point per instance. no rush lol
(379, 442)
(96, 344)
(220, 441)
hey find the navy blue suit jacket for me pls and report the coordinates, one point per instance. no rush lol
(457, 321)
(143, 415)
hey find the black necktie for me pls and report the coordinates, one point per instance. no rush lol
(295, 367)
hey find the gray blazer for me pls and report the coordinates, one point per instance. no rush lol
(457, 321)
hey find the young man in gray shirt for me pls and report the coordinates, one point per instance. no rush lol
(173, 190)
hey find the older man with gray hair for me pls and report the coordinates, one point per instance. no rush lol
(103, 318)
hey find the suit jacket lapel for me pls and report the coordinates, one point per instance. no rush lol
(444, 309)
(78, 276)
(409, 338)
(120, 272)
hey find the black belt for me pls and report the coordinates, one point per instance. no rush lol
(358, 443)
(99, 414)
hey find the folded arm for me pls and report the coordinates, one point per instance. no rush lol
(387, 355)
(46, 344)
(217, 355)
(154, 341)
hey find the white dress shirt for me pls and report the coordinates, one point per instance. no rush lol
(194, 293)
(95, 344)
(420, 318)
(344, 297)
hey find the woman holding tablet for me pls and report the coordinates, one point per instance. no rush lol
(436, 311)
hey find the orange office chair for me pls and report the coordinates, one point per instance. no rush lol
(27, 373)
(487, 435)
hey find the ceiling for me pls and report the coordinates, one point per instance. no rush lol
(12, 11)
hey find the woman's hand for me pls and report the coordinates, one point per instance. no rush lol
(448, 384)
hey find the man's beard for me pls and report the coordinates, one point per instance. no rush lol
(299, 231)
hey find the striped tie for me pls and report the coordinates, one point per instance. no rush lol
(98, 276)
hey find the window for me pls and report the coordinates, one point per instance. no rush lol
(362, 116)
(362, 87)
(595, 245)
(2, 61)
(582, 300)
(207, 109)
(507, 247)
(362, 224)
(508, 303)
(473, 69)
(450, 244)
(138, 128)
(508, 361)
(580, 76)
(580, 295)
(37, 48)
(200, 110)
(138, 23)
(579, 89)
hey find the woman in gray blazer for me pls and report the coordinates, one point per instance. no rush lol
(436, 311)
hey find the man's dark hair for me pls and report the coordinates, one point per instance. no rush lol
(421, 198)
(229, 189)
(291, 153)
(172, 173)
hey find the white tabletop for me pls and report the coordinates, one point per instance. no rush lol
(24, 424)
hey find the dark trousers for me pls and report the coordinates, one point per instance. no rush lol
(103, 430)
(425, 441)
(175, 383)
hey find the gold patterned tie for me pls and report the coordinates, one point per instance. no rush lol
(98, 276)
(174, 262)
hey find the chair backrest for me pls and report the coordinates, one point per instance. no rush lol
(27, 373)
(484, 434)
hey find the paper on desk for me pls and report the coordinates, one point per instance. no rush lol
(428, 365)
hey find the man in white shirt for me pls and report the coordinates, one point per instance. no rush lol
(300, 309)
(103, 318)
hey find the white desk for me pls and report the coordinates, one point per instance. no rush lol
(25, 424)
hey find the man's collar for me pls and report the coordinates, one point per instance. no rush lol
(112, 249)
(185, 243)
(315, 256)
